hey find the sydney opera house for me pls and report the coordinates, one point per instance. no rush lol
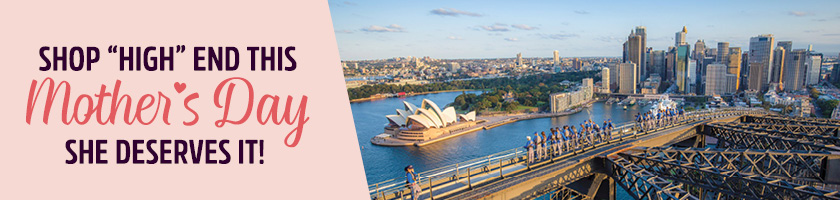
(427, 121)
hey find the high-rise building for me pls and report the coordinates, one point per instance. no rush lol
(835, 73)
(605, 80)
(576, 64)
(657, 59)
(681, 68)
(761, 53)
(670, 60)
(634, 53)
(788, 45)
(745, 71)
(723, 53)
(716, 79)
(614, 75)
(813, 65)
(699, 50)
(793, 77)
(641, 31)
(679, 38)
(734, 66)
(778, 66)
(627, 78)
(556, 58)
(519, 59)
(692, 78)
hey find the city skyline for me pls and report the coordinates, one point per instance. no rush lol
(462, 30)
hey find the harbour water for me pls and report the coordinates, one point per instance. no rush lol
(384, 163)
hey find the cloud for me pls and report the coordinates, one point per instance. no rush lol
(559, 36)
(799, 13)
(582, 12)
(380, 29)
(344, 31)
(350, 3)
(454, 38)
(453, 12)
(831, 34)
(811, 31)
(512, 39)
(495, 27)
(523, 27)
(610, 39)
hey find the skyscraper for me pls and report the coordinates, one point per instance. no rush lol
(813, 65)
(627, 78)
(734, 66)
(760, 55)
(679, 39)
(657, 59)
(556, 58)
(605, 80)
(778, 66)
(716, 79)
(634, 52)
(723, 53)
(519, 59)
(699, 50)
(793, 77)
(681, 68)
(670, 61)
(641, 31)
(614, 75)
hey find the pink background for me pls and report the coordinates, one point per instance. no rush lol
(325, 164)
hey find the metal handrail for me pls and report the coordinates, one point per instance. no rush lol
(492, 162)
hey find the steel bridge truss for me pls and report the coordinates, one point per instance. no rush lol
(642, 183)
(565, 193)
(777, 119)
(741, 137)
(826, 135)
(733, 174)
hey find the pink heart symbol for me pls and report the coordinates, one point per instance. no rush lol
(179, 87)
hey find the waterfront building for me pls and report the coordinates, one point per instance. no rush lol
(760, 55)
(641, 31)
(605, 80)
(634, 53)
(563, 101)
(614, 75)
(425, 122)
(627, 78)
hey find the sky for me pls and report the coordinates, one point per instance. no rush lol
(499, 29)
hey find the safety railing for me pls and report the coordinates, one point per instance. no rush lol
(495, 166)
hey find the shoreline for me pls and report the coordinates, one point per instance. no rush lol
(366, 99)
(391, 142)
